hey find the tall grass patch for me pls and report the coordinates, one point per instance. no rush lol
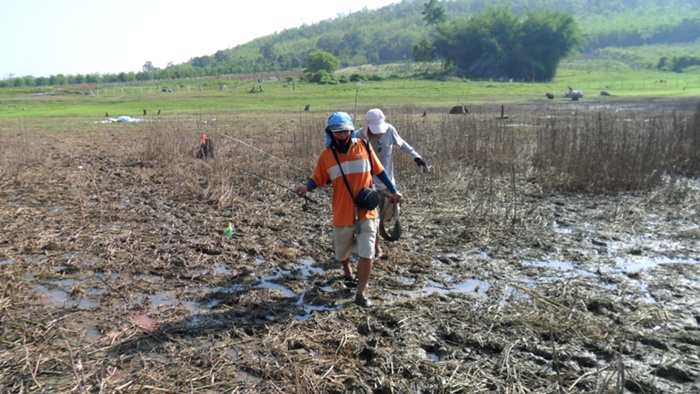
(489, 164)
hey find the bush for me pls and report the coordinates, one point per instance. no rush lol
(320, 76)
(322, 61)
(307, 77)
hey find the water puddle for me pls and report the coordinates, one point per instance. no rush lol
(74, 293)
(474, 287)
(266, 284)
(432, 357)
(243, 376)
(631, 264)
(482, 256)
(69, 293)
(629, 267)
(310, 309)
(92, 334)
(562, 266)
(561, 229)
(80, 292)
(304, 270)
(217, 271)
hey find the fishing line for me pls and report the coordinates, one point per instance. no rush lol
(262, 151)
(276, 183)
(305, 206)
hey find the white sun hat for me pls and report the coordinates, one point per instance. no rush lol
(376, 121)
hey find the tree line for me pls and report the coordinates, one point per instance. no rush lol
(398, 33)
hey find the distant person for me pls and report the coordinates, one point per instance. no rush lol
(348, 159)
(383, 137)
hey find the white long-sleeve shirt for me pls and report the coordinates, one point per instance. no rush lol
(383, 146)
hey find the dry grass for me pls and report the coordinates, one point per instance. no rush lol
(123, 215)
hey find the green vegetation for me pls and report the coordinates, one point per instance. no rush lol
(397, 33)
(386, 86)
(322, 61)
(498, 43)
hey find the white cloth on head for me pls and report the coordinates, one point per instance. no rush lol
(383, 146)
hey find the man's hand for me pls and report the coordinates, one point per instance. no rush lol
(396, 197)
(421, 163)
(301, 190)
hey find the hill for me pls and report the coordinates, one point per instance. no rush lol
(387, 35)
(641, 34)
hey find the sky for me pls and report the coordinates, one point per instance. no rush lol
(70, 37)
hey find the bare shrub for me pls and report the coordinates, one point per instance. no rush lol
(489, 163)
(687, 150)
(604, 152)
(21, 150)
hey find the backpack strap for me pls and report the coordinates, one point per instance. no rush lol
(371, 171)
(369, 154)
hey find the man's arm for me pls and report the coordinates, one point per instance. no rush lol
(407, 148)
(395, 195)
(301, 190)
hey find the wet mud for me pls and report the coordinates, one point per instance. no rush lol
(118, 275)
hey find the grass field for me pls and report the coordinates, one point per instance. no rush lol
(208, 98)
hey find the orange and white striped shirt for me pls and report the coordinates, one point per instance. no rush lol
(356, 166)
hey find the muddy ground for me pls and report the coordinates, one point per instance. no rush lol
(118, 276)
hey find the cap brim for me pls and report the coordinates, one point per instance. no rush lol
(340, 127)
(378, 128)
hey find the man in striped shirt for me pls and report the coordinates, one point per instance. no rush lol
(354, 228)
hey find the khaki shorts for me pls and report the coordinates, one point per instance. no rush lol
(346, 243)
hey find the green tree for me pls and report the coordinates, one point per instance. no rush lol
(497, 43)
(433, 14)
(423, 51)
(552, 36)
(322, 61)
(148, 67)
(58, 80)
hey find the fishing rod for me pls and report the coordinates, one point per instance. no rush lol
(305, 207)
(262, 151)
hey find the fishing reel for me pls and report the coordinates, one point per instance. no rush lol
(305, 206)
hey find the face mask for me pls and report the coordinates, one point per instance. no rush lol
(342, 145)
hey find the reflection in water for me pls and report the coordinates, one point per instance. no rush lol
(309, 309)
(92, 334)
(58, 298)
(74, 292)
(475, 287)
(642, 263)
(265, 284)
(246, 377)
(559, 265)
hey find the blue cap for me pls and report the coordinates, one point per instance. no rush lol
(340, 121)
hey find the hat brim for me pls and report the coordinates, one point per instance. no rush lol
(340, 127)
(378, 128)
